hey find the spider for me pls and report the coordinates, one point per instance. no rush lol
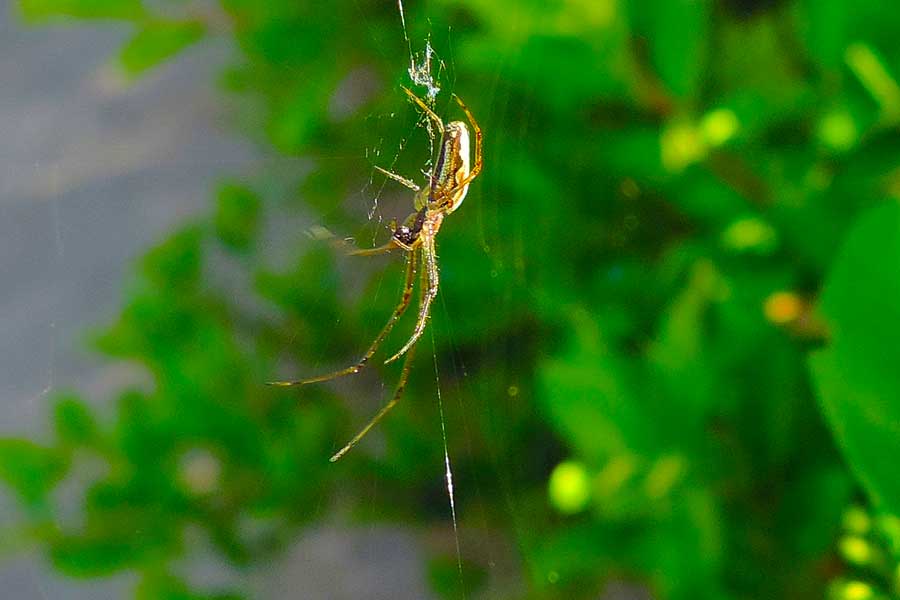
(447, 187)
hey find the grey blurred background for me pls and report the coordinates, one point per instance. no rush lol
(92, 172)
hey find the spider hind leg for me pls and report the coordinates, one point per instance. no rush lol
(398, 393)
(373, 348)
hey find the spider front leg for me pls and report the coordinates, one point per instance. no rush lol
(393, 244)
(478, 163)
(425, 108)
(398, 312)
(427, 293)
(400, 179)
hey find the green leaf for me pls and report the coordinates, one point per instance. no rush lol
(39, 10)
(75, 424)
(30, 470)
(93, 556)
(155, 42)
(298, 117)
(683, 365)
(676, 31)
(237, 215)
(856, 377)
(177, 262)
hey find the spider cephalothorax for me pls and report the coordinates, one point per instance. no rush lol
(448, 184)
(406, 235)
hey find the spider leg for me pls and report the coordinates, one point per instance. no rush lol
(357, 366)
(398, 393)
(431, 114)
(392, 244)
(476, 166)
(428, 293)
(400, 179)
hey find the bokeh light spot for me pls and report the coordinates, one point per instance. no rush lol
(855, 550)
(750, 233)
(569, 487)
(681, 144)
(838, 131)
(718, 126)
(783, 307)
(856, 590)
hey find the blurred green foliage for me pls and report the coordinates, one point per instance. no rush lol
(870, 544)
(627, 315)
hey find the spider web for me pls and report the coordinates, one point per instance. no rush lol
(424, 70)
(60, 224)
(430, 76)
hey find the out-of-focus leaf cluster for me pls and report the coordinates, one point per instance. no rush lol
(870, 546)
(628, 300)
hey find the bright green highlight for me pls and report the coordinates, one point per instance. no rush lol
(718, 126)
(750, 233)
(838, 131)
(569, 487)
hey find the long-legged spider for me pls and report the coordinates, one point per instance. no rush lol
(448, 183)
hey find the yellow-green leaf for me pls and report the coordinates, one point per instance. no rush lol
(156, 42)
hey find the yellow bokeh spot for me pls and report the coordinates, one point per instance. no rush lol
(719, 126)
(855, 550)
(857, 590)
(569, 487)
(681, 144)
(749, 233)
(838, 131)
(783, 307)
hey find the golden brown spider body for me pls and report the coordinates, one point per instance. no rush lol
(447, 188)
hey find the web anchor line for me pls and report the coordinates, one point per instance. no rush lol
(448, 471)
